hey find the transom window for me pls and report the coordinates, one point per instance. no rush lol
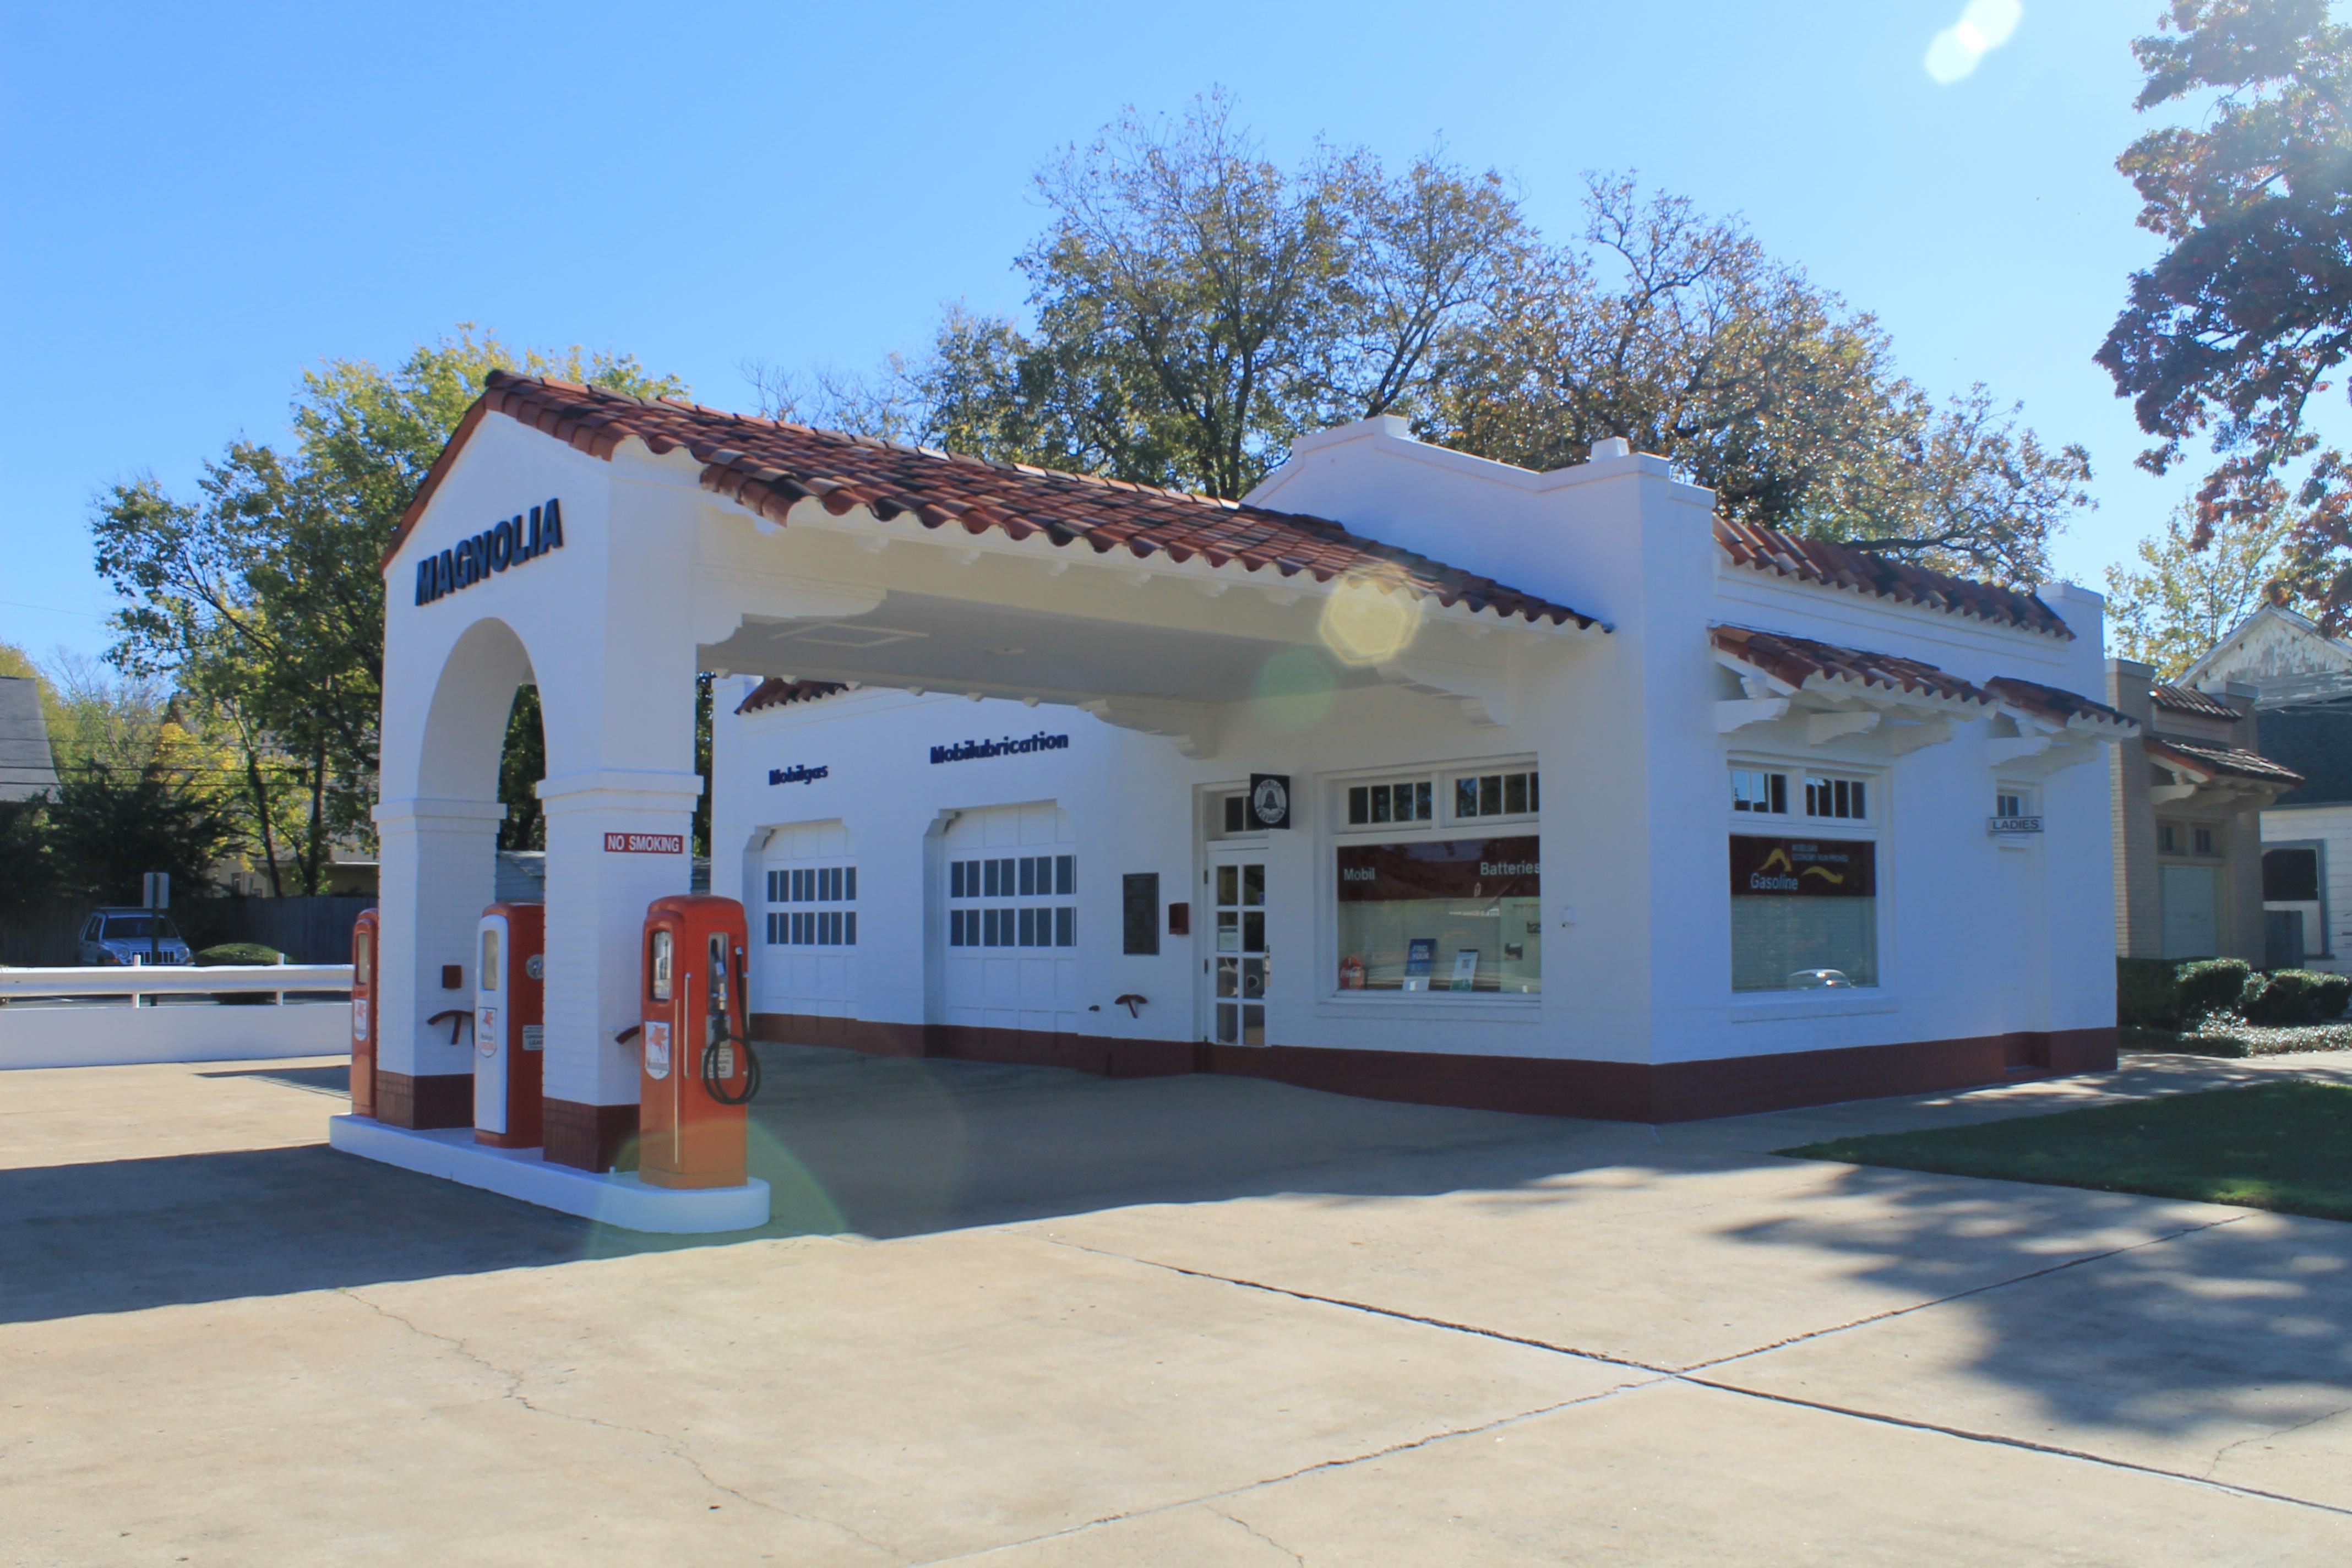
(1412, 801)
(1014, 917)
(805, 921)
(1843, 799)
(1496, 794)
(1759, 791)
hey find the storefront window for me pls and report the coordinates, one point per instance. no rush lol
(1804, 913)
(1449, 915)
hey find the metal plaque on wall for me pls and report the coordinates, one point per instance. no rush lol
(1269, 801)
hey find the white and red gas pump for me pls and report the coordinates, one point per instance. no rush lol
(510, 1018)
(363, 1019)
(697, 1070)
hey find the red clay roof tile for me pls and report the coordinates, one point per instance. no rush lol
(768, 466)
(777, 693)
(2186, 700)
(1843, 567)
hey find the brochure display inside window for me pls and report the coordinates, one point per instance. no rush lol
(1448, 915)
(1804, 913)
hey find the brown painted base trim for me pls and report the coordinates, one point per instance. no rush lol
(590, 1137)
(425, 1099)
(507, 1140)
(1542, 1085)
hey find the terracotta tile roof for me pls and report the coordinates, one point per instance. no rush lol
(2213, 759)
(777, 693)
(2055, 705)
(2186, 700)
(768, 466)
(1804, 663)
(1843, 567)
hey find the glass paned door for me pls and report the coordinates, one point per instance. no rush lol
(1239, 965)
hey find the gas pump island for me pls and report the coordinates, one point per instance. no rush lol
(697, 1073)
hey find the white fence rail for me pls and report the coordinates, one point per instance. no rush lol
(72, 1017)
(174, 980)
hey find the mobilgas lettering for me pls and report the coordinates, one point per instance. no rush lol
(509, 542)
(799, 773)
(969, 751)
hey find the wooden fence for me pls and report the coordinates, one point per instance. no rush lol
(306, 930)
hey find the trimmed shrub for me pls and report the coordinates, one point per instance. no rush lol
(2148, 993)
(2293, 996)
(2210, 985)
(240, 952)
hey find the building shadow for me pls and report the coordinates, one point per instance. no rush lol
(2246, 1317)
(876, 1147)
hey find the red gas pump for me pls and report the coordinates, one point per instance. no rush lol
(363, 1018)
(698, 1071)
(510, 1016)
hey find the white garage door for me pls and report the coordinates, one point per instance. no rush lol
(806, 924)
(1008, 943)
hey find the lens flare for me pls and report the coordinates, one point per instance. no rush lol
(1983, 26)
(1365, 623)
(1294, 687)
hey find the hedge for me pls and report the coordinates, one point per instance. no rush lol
(2160, 993)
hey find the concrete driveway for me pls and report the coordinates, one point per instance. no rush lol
(1027, 1318)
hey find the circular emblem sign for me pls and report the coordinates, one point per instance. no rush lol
(1270, 801)
(536, 966)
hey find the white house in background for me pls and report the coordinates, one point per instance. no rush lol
(2299, 680)
(1414, 775)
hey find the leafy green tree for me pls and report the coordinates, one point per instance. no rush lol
(2183, 596)
(1197, 307)
(28, 873)
(261, 597)
(521, 765)
(107, 829)
(1678, 332)
(2233, 334)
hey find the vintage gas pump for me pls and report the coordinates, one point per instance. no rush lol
(363, 1019)
(509, 1013)
(698, 1071)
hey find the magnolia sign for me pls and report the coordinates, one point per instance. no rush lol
(509, 542)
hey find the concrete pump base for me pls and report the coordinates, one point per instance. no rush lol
(621, 1199)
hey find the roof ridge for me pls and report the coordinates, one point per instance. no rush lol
(769, 467)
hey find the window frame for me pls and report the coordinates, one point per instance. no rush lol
(2318, 848)
(1440, 827)
(1877, 826)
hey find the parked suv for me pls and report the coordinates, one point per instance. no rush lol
(132, 936)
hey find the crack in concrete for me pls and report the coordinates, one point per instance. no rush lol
(1262, 1535)
(1963, 1295)
(2223, 1451)
(1684, 1375)
(2001, 1440)
(1406, 1446)
(1365, 1307)
(670, 1445)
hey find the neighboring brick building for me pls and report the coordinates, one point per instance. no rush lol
(2188, 798)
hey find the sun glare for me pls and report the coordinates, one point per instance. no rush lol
(1983, 26)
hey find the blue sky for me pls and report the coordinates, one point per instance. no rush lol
(196, 202)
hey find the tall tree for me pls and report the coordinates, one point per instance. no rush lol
(2233, 334)
(1196, 306)
(1678, 333)
(2183, 596)
(261, 597)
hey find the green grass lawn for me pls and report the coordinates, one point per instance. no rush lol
(2283, 1146)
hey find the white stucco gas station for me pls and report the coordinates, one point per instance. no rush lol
(1416, 775)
